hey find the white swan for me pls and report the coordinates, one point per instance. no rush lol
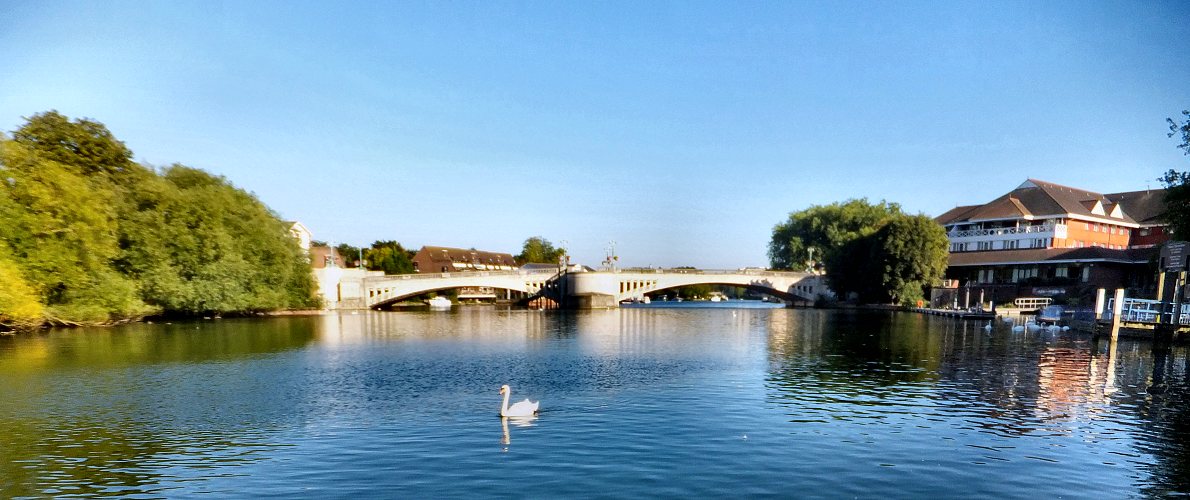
(524, 408)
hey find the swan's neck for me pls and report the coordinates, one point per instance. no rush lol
(504, 407)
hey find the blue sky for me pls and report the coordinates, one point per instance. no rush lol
(683, 131)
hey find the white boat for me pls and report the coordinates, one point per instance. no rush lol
(645, 300)
(716, 298)
(439, 303)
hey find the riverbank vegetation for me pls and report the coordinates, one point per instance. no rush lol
(87, 236)
(1177, 184)
(874, 253)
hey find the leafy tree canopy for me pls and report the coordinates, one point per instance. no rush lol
(390, 257)
(19, 304)
(816, 232)
(872, 251)
(97, 238)
(1177, 184)
(86, 145)
(910, 253)
(539, 250)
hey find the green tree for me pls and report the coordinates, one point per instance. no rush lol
(819, 231)
(390, 257)
(349, 253)
(1177, 184)
(851, 269)
(61, 228)
(539, 250)
(98, 238)
(874, 252)
(86, 146)
(20, 307)
(910, 253)
(200, 245)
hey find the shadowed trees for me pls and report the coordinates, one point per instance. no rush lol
(873, 252)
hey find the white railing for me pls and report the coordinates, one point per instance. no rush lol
(1007, 231)
(1032, 302)
(717, 272)
(1145, 311)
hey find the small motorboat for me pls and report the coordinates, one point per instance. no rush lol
(1050, 315)
(439, 303)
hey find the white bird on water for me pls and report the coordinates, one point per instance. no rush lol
(524, 408)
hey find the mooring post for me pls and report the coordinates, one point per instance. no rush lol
(1100, 303)
(1116, 310)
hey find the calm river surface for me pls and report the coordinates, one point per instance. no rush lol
(716, 402)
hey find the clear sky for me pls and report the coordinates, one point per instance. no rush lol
(683, 131)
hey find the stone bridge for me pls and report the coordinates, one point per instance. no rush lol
(594, 289)
(382, 290)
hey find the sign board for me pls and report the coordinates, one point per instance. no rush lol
(1049, 292)
(1173, 256)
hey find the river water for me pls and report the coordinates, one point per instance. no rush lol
(719, 402)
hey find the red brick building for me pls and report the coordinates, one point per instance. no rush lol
(1044, 239)
(447, 260)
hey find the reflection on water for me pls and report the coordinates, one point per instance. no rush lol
(654, 402)
(516, 422)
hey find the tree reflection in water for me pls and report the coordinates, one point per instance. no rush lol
(83, 416)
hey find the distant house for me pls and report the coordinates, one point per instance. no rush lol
(325, 256)
(301, 233)
(447, 260)
(1046, 239)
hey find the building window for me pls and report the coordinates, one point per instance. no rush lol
(1086, 274)
(1011, 244)
(1060, 271)
(984, 245)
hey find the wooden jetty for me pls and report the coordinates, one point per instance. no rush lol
(957, 313)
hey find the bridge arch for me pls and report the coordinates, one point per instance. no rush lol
(381, 291)
(630, 285)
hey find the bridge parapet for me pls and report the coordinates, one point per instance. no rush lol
(628, 284)
(612, 286)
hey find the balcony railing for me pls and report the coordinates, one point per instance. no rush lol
(1059, 231)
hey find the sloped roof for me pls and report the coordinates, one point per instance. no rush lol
(447, 254)
(1145, 207)
(1036, 198)
(956, 214)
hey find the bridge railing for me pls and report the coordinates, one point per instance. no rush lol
(465, 274)
(746, 272)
